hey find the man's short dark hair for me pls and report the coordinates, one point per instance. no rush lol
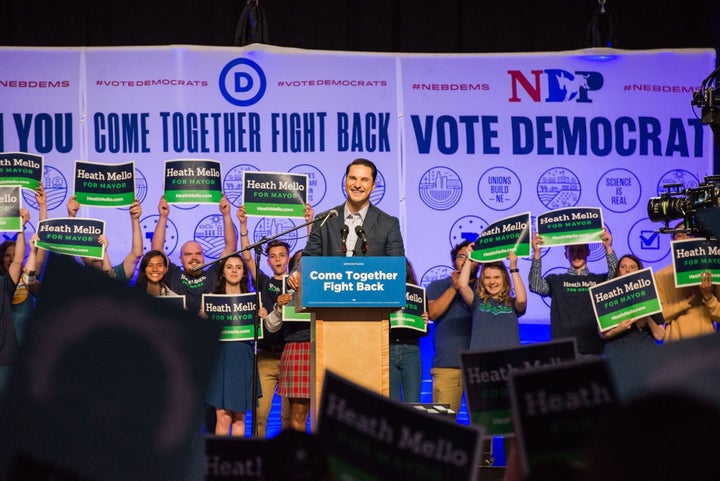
(366, 163)
(456, 249)
(277, 243)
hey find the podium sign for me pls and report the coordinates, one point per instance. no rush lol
(353, 282)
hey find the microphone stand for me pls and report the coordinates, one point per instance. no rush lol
(257, 247)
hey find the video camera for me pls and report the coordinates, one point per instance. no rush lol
(699, 207)
(707, 97)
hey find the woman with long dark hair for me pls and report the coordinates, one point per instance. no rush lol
(230, 388)
(151, 276)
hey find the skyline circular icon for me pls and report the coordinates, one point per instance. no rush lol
(440, 188)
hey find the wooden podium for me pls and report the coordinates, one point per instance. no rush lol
(351, 341)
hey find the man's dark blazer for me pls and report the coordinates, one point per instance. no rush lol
(382, 231)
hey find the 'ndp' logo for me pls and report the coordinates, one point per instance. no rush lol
(557, 85)
(242, 82)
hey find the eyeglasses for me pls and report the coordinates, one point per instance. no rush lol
(461, 256)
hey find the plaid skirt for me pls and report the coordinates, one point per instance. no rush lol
(294, 379)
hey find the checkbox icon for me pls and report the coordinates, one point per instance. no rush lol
(649, 240)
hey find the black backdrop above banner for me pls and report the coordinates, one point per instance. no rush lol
(369, 25)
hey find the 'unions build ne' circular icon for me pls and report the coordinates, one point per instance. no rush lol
(440, 188)
(499, 188)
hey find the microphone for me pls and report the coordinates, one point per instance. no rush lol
(361, 234)
(327, 215)
(344, 233)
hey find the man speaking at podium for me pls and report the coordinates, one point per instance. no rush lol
(355, 228)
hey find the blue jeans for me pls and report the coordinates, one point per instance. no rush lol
(405, 372)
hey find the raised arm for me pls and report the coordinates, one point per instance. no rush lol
(245, 240)
(612, 260)
(15, 269)
(41, 199)
(309, 214)
(136, 251)
(72, 206)
(228, 228)
(463, 280)
(518, 285)
(106, 264)
(29, 272)
(158, 239)
(538, 285)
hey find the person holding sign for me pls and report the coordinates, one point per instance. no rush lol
(230, 387)
(571, 311)
(272, 345)
(495, 311)
(124, 271)
(23, 301)
(632, 331)
(191, 282)
(9, 345)
(689, 311)
(405, 359)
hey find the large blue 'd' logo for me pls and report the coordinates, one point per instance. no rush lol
(242, 82)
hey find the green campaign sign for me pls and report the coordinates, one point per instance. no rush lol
(105, 185)
(21, 168)
(511, 234)
(235, 312)
(556, 408)
(274, 194)
(415, 305)
(573, 225)
(193, 181)
(631, 296)
(10, 204)
(72, 236)
(289, 313)
(692, 258)
(486, 374)
(369, 437)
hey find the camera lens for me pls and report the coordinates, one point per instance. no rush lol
(664, 209)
